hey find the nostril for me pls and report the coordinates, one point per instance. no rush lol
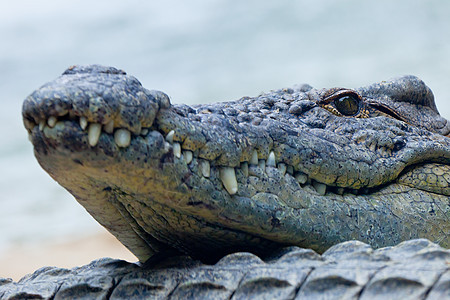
(399, 143)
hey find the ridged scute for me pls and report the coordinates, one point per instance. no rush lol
(416, 269)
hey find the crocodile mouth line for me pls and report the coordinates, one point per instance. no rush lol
(436, 175)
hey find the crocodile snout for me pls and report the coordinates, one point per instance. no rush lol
(100, 99)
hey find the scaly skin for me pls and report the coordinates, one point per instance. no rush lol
(284, 168)
(414, 269)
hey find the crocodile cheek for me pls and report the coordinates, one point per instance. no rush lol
(433, 178)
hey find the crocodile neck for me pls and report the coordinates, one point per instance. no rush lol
(294, 166)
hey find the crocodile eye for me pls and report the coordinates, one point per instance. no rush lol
(344, 103)
(347, 105)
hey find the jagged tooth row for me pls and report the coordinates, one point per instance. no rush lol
(122, 138)
(228, 174)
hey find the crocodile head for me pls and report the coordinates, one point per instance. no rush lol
(293, 166)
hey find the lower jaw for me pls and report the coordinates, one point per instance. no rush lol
(188, 233)
(176, 209)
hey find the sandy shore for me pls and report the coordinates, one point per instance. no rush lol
(20, 261)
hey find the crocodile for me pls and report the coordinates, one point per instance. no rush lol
(297, 166)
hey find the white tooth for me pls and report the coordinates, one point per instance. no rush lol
(169, 136)
(262, 164)
(83, 123)
(206, 168)
(41, 125)
(109, 127)
(228, 177)
(51, 121)
(290, 169)
(321, 188)
(271, 160)
(144, 131)
(301, 178)
(122, 137)
(46, 132)
(166, 147)
(94, 131)
(244, 168)
(254, 159)
(282, 168)
(187, 156)
(176, 150)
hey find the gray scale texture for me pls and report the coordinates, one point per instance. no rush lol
(301, 167)
(416, 269)
(380, 175)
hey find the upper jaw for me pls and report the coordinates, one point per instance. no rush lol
(88, 95)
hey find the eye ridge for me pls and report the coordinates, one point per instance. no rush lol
(348, 103)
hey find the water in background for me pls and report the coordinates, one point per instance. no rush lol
(196, 52)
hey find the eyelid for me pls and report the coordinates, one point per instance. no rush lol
(340, 94)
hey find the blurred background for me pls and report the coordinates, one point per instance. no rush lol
(195, 51)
